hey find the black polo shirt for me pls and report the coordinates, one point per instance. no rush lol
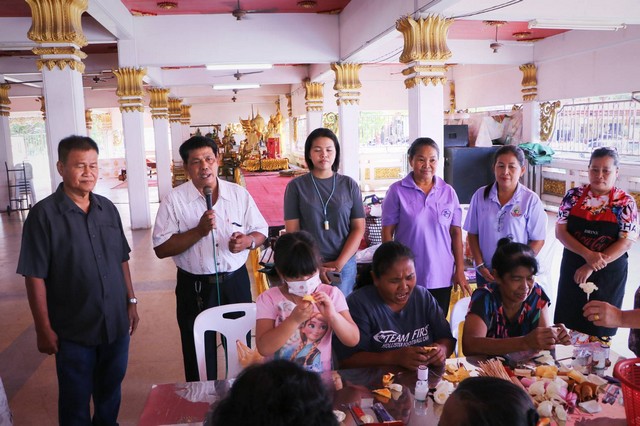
(79, 255)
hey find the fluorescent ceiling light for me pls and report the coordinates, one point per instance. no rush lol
(576, 25)
(230, 67)
(235, 86)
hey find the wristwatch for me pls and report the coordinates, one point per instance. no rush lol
(253, 243)
(132, 301)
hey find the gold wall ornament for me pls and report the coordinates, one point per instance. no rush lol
(425, 39)
(554, 187)
(43, 107)
(529, 82)
(347, 82)
(289, 107)
(57, 21)
(386, 173)
(295, 129)
(314, 95)
(175, 111)
(452, 97)
(330, 121)
(159, 103)
(548, 112)
(50, 64)
(88, 118)
(185, 114)
(416, 81)
(4, 100)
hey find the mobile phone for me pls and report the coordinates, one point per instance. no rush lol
(334, 277)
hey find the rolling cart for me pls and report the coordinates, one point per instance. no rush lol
(19, 186)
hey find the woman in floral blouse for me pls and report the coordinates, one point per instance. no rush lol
(512, 313)
(597, 224)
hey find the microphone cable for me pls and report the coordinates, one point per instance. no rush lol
(208, 196)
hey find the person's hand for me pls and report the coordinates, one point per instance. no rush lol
(302, 312)
(324, 304)
(582, 274)
(541, 338)
(486, 274)
(602, 314)
(460, 282)
(597, 260)
(47, 341)
(562, 334)
(207, 223)
(132, 312)
(239, 242)
(437, 356)
(410, 357)
(326, 267)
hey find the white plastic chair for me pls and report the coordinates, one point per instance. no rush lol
(213, 319)
(458, 313)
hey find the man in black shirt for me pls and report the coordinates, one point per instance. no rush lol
(74, 258)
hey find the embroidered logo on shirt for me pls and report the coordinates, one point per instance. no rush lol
(516, 211)
(446, 213)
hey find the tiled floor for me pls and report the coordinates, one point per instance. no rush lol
(155, 356)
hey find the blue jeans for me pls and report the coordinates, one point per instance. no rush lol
(86, 371)
(348, 276)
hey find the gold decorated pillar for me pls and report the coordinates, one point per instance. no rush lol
(160, 114)
(425, 53)
(5, 141)
(314, 97)
(347, 85)
(130, 93)
(185, 121)
(43, 107)
(175, 114)
(88, 119)
(530, 106)
(57, 31)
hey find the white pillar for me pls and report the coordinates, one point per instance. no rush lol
(160, 115)
(531, 122)
(426, 116)
(130, 92)
(5, 143)
(176, 128)
(64, 102)
(314, 120)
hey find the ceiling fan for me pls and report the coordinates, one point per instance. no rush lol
(238, 75)
(99, 77)
(240, 13)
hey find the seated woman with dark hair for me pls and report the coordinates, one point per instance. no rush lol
(511, 314)
(488, 401)
(277, 393)
(400, 324)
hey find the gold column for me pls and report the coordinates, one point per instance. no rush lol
(59, 22)
(314, 95)
(289, 107)
(159, 103)
(452, 97)
(43, 107)
(347, 82)
(175, 111)
(529, 82)
(130, 88)
(4, 100)
(185, 114)
(88, 119)
(425, 49)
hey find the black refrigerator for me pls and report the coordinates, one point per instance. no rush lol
(468, 168)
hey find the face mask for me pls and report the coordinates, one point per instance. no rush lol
(302, 288)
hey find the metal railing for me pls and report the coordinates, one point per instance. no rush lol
(581, 127)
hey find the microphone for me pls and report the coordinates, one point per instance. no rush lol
(208, 192)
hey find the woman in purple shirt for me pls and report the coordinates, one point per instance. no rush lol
(504, 209)
(423, 212)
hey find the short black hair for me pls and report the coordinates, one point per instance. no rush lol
(490, 401)
(196, 142)
(320, 133)
(296, 255)
(605, 152)
(510, 255)
(75, 142)
(419, 143)
(387, 254)
(277, 393)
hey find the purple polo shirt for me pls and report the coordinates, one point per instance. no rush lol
(422, 223)
(522, 218)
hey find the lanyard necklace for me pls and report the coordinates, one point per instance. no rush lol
(324, 204)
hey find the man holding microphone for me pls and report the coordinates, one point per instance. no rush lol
(208, 226)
